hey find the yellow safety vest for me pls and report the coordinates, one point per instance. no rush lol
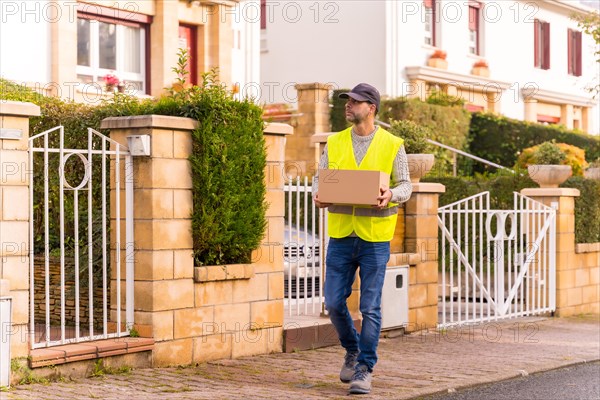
(370, 224)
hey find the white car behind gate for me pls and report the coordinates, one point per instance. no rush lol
(301, 263)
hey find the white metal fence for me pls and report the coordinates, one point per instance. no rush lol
(304, 250)
(70, 239)
(496, 263)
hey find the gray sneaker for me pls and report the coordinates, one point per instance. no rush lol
(347, 371)
(361, 381)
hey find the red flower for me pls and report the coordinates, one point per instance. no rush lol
(111, 80)
(480, 64)
(439, 54)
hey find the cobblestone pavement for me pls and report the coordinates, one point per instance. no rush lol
(409, 367)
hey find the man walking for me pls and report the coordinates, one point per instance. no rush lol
(359, 236)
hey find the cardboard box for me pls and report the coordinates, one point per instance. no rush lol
(353, 187)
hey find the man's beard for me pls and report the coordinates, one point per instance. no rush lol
(356, 118)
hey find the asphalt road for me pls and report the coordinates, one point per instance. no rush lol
(578, 382)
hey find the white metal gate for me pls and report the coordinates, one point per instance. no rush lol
(304, 250)
(496, 263)
(76, 242)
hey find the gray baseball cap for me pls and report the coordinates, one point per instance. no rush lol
(363, 92)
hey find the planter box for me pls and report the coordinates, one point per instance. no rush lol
(437, 63)
(480, 71)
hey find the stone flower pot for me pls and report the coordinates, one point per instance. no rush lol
(419, 165)
(592, 173)
(549, 176)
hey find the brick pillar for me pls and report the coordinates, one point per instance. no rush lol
(219, 41)
(163, 47)
(421, 237)
(313, 107)
(14, 216)
(164, 266)
(199, 313)
(569, 283)
(63, 48)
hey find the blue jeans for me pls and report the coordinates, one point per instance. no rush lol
(344, 256)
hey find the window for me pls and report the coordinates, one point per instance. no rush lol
(430, 22)
(111, 45)
(474, 29)
(574, 52)
(541, 44)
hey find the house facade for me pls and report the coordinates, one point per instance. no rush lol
(526, 60)
(75, 49)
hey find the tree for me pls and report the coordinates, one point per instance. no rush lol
(589, 23)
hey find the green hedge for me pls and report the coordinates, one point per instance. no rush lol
(228, 160)
(502, 186)
(500, 139)
(587, 209)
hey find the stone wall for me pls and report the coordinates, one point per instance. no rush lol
(54, 291)
(200, 313)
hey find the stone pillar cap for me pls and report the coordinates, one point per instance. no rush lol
(320, 137)
(550, 192)
(428, 187)
(278, 128)
(149, 121)
(19, 108)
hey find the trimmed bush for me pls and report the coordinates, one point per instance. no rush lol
(228, 164)
(500, 139)
(587, 209)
